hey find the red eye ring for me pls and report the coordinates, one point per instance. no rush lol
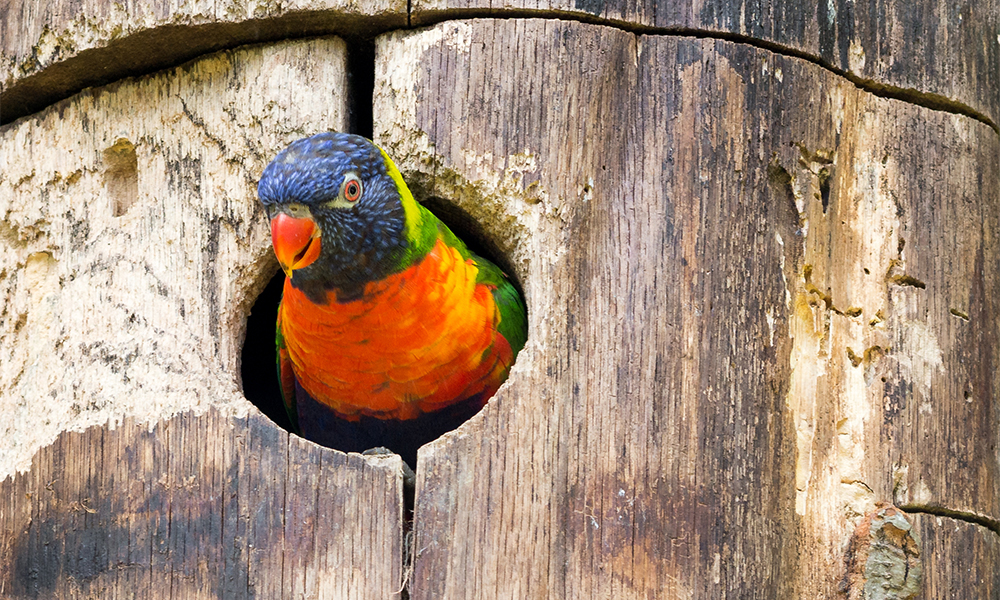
(352, 190)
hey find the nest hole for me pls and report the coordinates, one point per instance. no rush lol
(259, 370)
(259, 362)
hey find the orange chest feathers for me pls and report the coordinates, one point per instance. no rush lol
(415, 342)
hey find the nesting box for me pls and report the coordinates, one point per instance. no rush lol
(757, 244)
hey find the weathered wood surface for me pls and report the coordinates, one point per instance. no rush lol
(934, 49)
(958, 551)
(933, 46)
(131, 249)
(54, 48)
(132, 244)
(200, 506)
(760, 300)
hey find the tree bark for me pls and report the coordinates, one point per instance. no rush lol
(760, 302)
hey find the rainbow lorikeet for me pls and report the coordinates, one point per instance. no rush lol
(390, 331)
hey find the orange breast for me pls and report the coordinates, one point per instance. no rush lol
(414, 342)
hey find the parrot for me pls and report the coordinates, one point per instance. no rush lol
(390, 331)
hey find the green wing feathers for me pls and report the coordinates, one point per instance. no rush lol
(513, 314)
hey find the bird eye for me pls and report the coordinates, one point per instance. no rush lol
(352, 190)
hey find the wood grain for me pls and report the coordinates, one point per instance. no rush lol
(132, 244)
(132, 248)
(949, 546)
(731, 357)
(761, 300)
(200, 506)
(934, 49)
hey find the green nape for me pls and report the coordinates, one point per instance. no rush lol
(421, 225)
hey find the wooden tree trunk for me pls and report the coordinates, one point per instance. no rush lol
(760, 262)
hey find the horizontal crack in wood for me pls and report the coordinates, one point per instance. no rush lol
(882, 90)
(26, 105)
(940, 511)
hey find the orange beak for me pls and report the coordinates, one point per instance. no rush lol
(296, 242)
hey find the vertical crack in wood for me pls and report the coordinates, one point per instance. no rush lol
(284, 508)
(361, 85)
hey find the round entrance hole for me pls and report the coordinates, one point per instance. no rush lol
(259, 367)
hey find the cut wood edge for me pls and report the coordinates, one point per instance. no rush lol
(65, 58)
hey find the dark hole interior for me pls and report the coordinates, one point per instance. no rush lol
(259, 371)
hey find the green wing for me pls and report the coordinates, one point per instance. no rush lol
(513, 313)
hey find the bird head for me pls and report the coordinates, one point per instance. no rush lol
(340, 212)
